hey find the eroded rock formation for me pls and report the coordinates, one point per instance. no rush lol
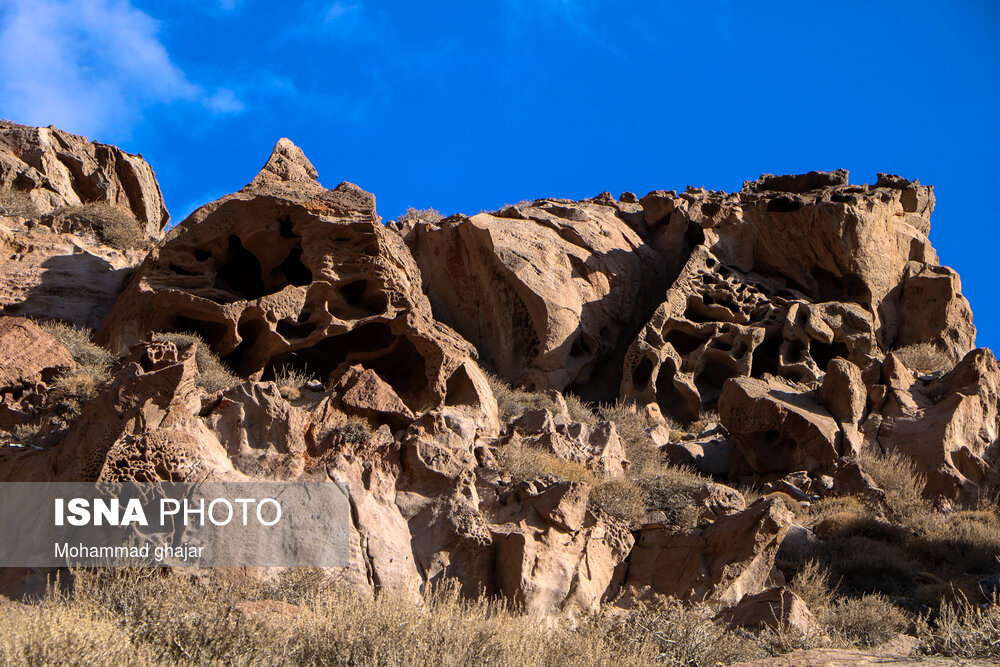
(355, 352)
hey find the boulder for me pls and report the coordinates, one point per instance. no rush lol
(723, 562)
(778, 426)
(775, 608)
(28, 353)
(545, 291)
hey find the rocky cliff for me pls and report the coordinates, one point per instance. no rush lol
(740, 357)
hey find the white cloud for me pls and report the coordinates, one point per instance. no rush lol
(87, 66)
(339, 10)
(224, 100)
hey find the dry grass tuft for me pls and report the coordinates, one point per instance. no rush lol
(523, 462)
(420, 215)
(116, 617)
(962, 630)
(17, 204)
(622, 499)
(77, 341)
(355, 432)
(514, 402)
(213, 375)
(289, 377)
(924, 358)
(113, 226)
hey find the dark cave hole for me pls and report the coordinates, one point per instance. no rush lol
(353, 291)
(202, 255)
(295, 271)
(710, 379)
(695, 235)
(241, 273)
(249, 333)
(823, 353)
(285, 228)
(765, 357)
(685, 343)
(291, 330)
(641, 374)
(710, 208)
(783, 205)
(669, 398)
(210, 332)
(181, 271)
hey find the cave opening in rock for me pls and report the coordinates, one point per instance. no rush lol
(766, 357)
(669, 398)
(823, 353)
(641, 374)
(241, 273)
(783, 205)
(685, 343)
(295, 272)
(711, 377)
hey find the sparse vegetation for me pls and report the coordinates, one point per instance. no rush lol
(15, 203)
(623, 499)
(77, 341)
(113, 226)
(213, 375)
(514, 402)
(72, 389)
(355, 432)
(420, 215)
(962, 629)
(924, 358)
(136, 617)
(523, 462)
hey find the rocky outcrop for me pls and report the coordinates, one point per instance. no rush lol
(783, 277)
(287, 273)
(56, 169)
(548, 291)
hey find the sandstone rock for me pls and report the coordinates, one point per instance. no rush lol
(364, 393)
(725, 561)
(596, 446)
(775, 608)
(46, 273)
(712, 455)
(56, 169)
(288, 273)
(949, 427)
(544, 291)
(843, 392)
(28, 354)
(784, 276)
(778, 427)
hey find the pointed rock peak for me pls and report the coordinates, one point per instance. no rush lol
(287, 164)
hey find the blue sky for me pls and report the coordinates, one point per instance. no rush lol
(465, 106)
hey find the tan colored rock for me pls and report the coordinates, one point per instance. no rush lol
(364, 393)
(544, 291)
(784, 276)
(779, 427)
(725, 561)
(775, 608)
(285, 272)
(843, 392)
(51, 274)
(57, 169)
(28, 354)
(948, 426)
(596, 446)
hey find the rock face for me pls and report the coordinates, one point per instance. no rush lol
(356, 357)
(546, 291)
(287, 273)
(786, 275)
(75, 216)
(56, 169)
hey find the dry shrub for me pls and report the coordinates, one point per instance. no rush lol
(213, 375)
(113, 226)
(869, 621)
(355, 432)
(897, 475)
(15, 203)
(71, 391)
(962, 630)
(77, 341)
(60, 632)
(420, 215)
(128, 616)
(924, 357)
(812, 584)
(672, 490)
(524, 462)
(514, 402)
(289, 377)
(623, 499)
(632, 425)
